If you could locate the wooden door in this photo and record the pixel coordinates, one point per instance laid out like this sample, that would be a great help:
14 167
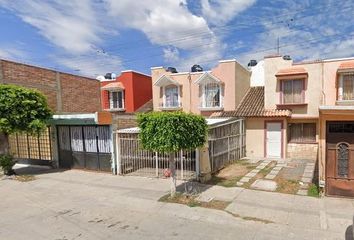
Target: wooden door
340 159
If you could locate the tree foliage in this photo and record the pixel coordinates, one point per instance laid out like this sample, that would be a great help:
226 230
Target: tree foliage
22 110
171 131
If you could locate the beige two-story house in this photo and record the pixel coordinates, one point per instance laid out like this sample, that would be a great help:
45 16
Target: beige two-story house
204 92
304 110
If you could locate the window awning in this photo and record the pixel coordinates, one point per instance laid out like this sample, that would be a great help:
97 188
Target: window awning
165 81
207 78
346 67
113 86
291 71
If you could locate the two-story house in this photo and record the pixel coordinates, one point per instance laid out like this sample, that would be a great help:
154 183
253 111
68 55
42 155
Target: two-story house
203 92
124 95
304 110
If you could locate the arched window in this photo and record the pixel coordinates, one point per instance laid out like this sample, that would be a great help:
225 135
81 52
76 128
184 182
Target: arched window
342 160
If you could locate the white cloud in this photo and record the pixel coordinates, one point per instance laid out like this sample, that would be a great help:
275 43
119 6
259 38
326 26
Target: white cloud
169 23
171 54
315 34
219 12
92 65
164 22
79 26
75 26
72 25
11 53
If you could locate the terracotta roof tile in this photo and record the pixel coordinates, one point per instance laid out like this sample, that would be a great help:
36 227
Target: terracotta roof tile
346 65
252 105
291 71
114 85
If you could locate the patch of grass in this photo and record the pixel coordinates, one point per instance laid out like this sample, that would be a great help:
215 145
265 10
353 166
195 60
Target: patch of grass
287 186
25 178
264 172
251 167
313 190
215 204
215 180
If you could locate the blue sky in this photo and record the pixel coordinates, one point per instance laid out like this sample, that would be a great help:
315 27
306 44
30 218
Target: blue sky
92 37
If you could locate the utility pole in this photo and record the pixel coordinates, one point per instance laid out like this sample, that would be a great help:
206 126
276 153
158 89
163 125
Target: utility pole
278 46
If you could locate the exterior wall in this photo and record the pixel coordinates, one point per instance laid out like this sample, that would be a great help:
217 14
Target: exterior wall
242 84
79 94
255 136
64 92
142 89
235 79
137 90
124 121
271 89
302 151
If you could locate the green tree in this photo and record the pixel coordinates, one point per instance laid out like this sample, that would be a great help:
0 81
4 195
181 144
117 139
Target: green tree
170 132
21 110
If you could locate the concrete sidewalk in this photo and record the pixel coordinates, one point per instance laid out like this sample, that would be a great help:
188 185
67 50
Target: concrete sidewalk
84 205
308 213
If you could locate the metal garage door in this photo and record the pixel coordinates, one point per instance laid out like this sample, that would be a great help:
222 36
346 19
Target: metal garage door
85 147
340 159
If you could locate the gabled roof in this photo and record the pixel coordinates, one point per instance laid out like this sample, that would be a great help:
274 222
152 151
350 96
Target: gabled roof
252 105
291 71
113 86
164 81
346 66
207 77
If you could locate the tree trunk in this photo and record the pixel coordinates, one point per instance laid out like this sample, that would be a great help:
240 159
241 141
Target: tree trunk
4 143
171 159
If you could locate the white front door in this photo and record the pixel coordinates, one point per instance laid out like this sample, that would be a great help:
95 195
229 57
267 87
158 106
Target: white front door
273 140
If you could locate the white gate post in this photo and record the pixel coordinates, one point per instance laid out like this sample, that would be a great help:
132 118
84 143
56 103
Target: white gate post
181 158
197 163
228 149
157 164
240 146
119 157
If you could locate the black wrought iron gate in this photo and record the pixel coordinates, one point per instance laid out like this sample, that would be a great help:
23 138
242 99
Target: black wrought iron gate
85 147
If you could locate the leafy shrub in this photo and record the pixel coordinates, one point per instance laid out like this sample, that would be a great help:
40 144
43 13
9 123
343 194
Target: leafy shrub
313 190
6 163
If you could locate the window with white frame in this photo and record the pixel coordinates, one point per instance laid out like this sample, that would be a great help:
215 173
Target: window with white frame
171 96
346 87
116 100
211 95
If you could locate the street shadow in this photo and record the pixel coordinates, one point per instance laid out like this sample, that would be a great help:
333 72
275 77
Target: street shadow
36 170
193 186
349 233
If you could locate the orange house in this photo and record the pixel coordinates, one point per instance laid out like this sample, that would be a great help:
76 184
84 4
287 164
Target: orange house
126 93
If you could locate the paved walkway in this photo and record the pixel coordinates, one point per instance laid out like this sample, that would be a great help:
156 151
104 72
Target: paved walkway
83 205
332 215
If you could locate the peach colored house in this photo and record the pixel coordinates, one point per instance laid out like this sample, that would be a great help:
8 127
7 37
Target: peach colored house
306 111
203 93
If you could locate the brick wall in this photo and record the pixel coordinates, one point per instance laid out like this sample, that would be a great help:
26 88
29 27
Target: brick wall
124 121
302 151
80 94
64 92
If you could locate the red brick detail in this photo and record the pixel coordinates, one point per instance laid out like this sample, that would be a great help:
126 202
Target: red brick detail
78 94
105 99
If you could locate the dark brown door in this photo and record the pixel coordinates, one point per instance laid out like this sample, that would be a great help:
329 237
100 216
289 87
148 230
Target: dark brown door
340 159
